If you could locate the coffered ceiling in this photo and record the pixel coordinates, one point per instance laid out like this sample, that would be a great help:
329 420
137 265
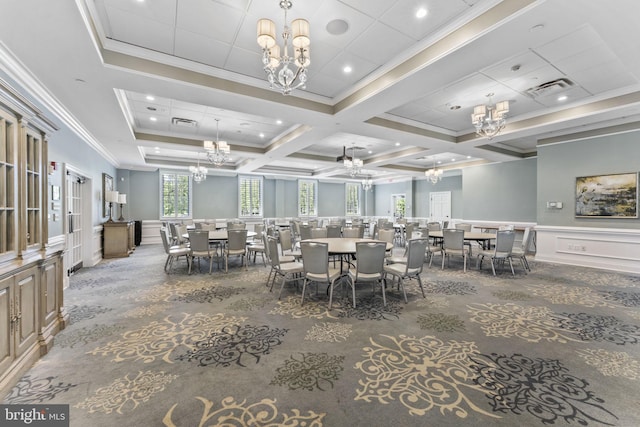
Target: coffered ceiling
145 81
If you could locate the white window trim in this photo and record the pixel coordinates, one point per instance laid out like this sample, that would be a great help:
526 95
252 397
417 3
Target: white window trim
251 177
315 198
358 197
161 195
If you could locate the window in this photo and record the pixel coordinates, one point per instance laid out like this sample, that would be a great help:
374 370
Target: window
250 189
307 198
353 199
175 195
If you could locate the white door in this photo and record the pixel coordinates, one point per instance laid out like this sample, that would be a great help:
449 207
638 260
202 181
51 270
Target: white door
398 205
74 255
440 206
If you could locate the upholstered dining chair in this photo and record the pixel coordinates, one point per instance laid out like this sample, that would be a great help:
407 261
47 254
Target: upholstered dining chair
369 267
173 252
334 230
305 232
236 246
387 235
412 268
318 233
286 244
453 244
501 252
315 258
521 251
356 232
289 271
199 248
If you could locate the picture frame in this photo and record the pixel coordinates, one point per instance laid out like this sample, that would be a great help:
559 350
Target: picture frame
607 196
107 185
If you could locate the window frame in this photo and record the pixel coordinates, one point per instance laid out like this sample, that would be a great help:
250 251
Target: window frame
251 178
357 187
303 183
177 174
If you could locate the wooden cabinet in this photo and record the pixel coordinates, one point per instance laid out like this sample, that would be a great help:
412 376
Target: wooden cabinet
19 319
31 285
118 239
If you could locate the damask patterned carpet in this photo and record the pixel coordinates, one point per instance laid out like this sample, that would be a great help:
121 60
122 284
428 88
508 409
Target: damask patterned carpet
559 346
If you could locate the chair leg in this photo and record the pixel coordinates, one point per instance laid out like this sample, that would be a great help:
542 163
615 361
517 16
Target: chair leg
421 288
384 295
284 280
511 265
330 295
493 268
401 284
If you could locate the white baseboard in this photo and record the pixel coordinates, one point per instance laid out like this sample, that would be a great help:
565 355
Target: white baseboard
607 248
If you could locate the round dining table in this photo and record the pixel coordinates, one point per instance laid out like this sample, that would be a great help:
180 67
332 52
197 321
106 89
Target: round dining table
483 239
222 235
344 245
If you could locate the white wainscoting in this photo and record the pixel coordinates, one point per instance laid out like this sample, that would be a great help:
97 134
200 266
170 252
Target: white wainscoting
607 248
151 232
96 238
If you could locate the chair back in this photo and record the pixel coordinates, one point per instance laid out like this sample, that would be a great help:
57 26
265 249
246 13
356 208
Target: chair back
434 226
271 248
181 230
237 239
313 223
463 227
445 224
387 225
236 226
504 243
334 230
165 239
271 231
199 241
173 233
208 227
315 257
353 232
370 256
318 233
506 227
259 229
198 225
526 239
356 222
452 239
285 240
386 235
408 230
305 232
416 252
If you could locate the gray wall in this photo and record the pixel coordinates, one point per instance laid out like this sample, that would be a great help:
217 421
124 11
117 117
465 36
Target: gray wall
500 192
423 188
559 165
383 192
331 199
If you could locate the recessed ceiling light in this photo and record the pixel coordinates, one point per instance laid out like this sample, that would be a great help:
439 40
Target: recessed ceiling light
347 69
439 161
261 135
150 98
421 13
278 122
156 148
370 152
397 144
468 157
153 119
453 160
562 98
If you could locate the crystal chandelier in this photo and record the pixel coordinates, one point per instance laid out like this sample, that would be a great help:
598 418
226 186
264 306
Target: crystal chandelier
283 71
489 120
218 152
367 183
353 165
199 173
434 175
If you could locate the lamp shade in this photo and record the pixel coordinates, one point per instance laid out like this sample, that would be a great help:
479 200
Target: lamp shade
266 33
209 145
111 196
122 199
300 33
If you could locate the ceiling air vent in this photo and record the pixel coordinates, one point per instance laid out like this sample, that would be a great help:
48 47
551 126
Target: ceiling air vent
549 88
183 123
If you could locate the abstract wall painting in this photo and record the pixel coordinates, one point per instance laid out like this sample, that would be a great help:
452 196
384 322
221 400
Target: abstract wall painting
607 196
